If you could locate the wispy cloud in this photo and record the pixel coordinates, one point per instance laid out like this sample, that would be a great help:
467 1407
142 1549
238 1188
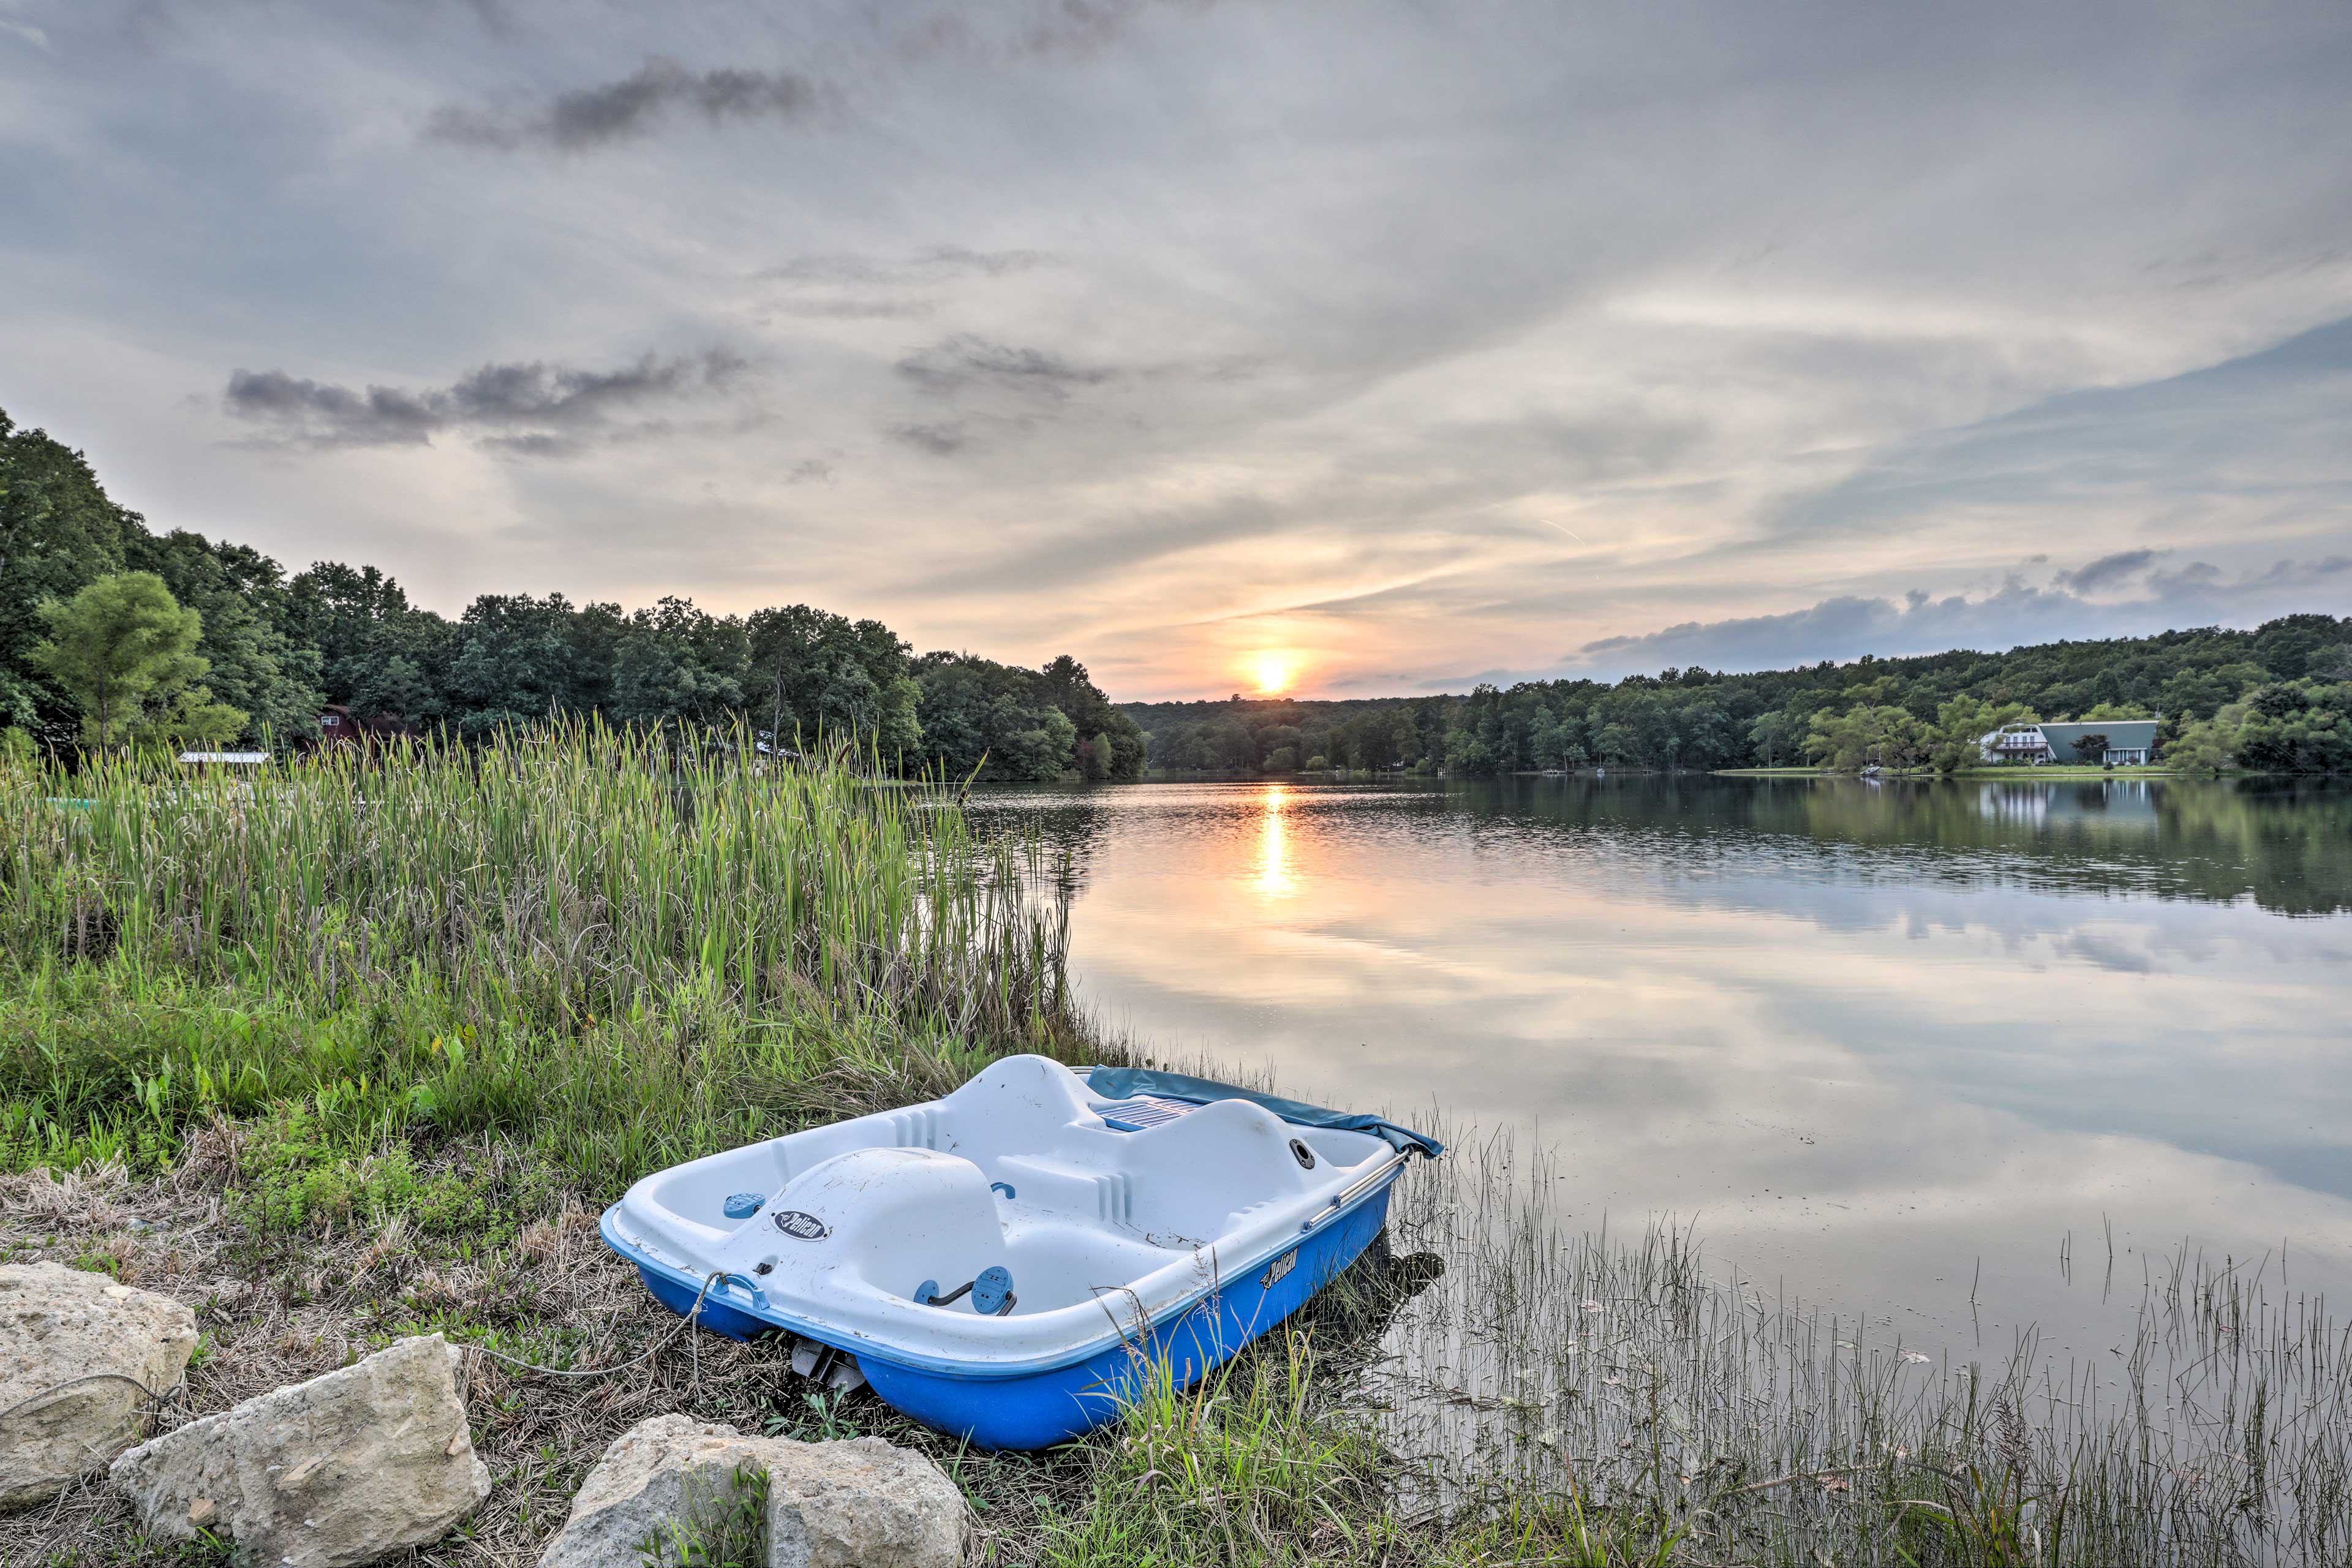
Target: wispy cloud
882 309
1043 30
2264 427
934 263
1849 626
2112 570
957 365
533 409
630 106
1423 340
939 440
850 286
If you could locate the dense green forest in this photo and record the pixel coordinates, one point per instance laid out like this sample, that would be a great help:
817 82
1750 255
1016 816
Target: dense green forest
2277 699
264 651
268 650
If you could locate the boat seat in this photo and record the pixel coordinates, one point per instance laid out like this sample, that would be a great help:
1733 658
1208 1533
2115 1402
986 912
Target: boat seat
1192 1172
1018 1105
1081 1189
897 1216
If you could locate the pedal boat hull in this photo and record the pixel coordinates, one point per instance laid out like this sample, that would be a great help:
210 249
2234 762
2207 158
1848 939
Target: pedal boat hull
1010 1378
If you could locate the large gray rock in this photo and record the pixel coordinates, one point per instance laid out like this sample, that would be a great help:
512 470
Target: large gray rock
79 1335
342 1469
864 1503
670 1470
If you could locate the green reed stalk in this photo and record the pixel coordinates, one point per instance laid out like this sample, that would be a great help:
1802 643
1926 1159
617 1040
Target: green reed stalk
578 871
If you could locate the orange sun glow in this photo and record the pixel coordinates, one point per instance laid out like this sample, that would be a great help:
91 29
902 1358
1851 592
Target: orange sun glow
1275 669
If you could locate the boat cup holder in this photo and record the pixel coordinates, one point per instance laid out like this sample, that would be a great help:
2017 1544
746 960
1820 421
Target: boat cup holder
1303 1154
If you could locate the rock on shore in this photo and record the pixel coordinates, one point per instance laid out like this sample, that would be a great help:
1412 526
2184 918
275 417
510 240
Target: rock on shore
81 1335
342 1469
864 1503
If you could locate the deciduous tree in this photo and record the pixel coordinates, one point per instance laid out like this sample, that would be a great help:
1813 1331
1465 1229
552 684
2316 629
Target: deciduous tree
125 651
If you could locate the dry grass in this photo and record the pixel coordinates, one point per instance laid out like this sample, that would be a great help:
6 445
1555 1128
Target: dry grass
1507 1393
273 1312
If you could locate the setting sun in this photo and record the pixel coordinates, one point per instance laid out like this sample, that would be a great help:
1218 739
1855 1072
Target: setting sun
1275 669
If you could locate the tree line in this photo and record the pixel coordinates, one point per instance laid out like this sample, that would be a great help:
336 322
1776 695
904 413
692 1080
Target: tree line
2275 699
112 634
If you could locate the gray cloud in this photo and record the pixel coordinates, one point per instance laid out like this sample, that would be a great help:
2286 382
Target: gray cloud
382 416
631 105
2110 571
1110 546
848 286
1849 626
532 409
939 440
1513 327
1064 30
2263 429
957 365
934 263
883 310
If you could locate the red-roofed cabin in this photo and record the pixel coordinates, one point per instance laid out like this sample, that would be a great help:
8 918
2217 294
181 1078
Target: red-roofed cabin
339 726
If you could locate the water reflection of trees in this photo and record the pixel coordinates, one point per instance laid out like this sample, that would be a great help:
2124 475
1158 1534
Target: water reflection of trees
2286 844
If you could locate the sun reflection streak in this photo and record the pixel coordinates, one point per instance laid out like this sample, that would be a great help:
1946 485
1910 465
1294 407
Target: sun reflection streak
1275 879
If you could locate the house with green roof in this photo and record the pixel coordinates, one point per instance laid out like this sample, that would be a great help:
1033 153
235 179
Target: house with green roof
2127 742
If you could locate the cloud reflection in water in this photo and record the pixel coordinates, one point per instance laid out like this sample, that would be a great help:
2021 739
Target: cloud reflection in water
1866 1038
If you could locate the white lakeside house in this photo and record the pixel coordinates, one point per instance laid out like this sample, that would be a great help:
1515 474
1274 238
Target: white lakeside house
2130 742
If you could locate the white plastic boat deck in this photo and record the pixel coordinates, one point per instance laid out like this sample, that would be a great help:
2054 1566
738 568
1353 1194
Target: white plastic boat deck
1025 1171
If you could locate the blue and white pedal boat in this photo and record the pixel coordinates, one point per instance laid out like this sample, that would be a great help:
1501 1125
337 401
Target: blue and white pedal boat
1005 1264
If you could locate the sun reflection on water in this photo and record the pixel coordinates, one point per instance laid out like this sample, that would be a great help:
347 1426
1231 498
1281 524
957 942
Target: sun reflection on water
1275 879
1762 1002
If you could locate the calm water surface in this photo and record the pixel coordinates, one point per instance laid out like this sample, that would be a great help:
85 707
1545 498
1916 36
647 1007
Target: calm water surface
1893 1046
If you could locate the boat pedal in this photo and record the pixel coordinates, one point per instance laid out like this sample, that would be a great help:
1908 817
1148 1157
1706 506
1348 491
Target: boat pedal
823 1364
990 1291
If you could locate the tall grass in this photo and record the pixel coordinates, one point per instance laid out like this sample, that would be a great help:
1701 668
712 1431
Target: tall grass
635 948
1247 1469
1515 1392
574 872
1621 1377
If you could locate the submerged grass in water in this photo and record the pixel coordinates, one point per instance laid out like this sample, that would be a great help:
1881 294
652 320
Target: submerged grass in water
1626 1379
358 1051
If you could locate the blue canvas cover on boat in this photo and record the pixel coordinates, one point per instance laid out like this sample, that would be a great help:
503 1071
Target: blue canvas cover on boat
1124 1083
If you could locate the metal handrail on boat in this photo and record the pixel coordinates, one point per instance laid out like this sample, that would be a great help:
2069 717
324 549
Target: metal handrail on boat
1356 1189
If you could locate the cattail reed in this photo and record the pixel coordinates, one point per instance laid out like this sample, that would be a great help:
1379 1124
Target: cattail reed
577 871
636 947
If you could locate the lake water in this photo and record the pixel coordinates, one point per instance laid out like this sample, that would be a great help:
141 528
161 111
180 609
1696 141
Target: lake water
1894 1045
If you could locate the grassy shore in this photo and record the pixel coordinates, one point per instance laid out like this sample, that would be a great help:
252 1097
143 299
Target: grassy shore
357 1054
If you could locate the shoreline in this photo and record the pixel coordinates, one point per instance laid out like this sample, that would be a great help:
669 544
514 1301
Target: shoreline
2051 772
2021 775
282 1076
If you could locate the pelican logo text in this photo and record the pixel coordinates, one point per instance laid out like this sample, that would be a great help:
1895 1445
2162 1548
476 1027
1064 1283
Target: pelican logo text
803 1226
1278 1268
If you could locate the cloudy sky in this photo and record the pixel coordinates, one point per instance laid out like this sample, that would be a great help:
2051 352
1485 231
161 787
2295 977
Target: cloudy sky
1386 346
